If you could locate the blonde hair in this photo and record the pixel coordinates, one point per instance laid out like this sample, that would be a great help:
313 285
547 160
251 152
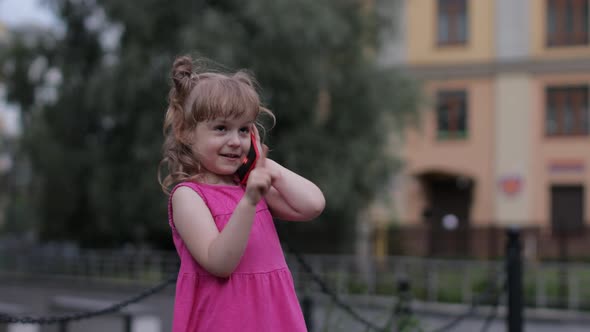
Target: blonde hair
198 96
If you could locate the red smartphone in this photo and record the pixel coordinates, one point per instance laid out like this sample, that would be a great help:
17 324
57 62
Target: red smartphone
249 162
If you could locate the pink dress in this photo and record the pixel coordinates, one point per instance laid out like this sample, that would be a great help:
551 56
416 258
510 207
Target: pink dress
259 295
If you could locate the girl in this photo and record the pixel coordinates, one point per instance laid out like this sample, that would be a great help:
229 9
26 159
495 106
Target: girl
233 275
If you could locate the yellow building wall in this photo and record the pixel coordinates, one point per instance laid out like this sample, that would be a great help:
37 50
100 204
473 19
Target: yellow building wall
549 150
472 157
513 146
422 34
539 49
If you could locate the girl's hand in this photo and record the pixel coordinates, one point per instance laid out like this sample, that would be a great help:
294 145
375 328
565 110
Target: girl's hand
260 178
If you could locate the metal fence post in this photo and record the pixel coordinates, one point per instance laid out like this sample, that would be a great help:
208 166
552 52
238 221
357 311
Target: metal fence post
403 309
514 272
127 323
307 308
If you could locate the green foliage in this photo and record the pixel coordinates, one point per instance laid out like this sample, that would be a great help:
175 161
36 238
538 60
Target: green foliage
409 324
96 148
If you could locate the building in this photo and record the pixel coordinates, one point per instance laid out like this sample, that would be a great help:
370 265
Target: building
505 134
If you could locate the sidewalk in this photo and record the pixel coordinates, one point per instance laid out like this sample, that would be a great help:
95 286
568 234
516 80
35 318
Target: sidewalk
327 316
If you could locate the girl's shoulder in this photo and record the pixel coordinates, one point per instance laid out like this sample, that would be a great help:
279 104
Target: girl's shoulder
220 199
209 192
193 186
205 187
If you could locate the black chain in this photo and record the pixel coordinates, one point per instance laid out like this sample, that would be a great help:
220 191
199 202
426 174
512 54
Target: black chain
330 293
402 308
491 290
5 318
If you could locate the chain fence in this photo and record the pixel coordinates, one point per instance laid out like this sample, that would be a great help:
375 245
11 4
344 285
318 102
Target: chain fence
406 319
11 319
401 317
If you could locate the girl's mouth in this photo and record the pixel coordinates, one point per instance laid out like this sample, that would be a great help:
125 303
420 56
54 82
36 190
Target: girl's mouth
231 155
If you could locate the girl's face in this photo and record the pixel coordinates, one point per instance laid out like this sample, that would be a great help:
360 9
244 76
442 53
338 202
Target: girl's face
220 146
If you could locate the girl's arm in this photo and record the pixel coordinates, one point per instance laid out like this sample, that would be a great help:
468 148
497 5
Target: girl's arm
217 252
291 196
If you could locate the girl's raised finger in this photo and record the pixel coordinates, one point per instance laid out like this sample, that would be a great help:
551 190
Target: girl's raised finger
262 158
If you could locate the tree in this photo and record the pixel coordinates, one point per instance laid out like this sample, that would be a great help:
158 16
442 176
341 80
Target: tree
95 149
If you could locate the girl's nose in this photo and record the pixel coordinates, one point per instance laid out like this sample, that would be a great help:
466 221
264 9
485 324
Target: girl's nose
234 139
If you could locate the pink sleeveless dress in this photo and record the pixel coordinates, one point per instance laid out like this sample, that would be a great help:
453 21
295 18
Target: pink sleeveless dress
258 296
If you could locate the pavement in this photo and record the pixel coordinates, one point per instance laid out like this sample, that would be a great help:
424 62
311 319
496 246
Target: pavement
427 317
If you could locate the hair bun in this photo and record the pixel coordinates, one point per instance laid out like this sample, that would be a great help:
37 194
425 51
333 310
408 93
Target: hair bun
182 71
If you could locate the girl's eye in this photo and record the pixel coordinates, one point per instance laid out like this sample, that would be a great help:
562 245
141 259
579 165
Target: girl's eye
219 128
245 129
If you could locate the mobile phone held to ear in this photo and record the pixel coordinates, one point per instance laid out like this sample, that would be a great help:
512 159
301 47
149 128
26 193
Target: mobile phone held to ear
249 162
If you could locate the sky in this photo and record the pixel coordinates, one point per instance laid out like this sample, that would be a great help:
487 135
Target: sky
16 12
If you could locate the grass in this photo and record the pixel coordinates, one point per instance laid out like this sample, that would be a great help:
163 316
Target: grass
449 284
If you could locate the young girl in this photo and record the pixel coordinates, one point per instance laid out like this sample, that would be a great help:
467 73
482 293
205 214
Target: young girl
233 275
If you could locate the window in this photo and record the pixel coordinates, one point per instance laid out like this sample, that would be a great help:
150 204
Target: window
567 22
567 208
567 112
452 22
451 114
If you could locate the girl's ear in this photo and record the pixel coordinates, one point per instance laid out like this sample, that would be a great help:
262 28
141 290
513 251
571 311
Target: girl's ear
186 138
